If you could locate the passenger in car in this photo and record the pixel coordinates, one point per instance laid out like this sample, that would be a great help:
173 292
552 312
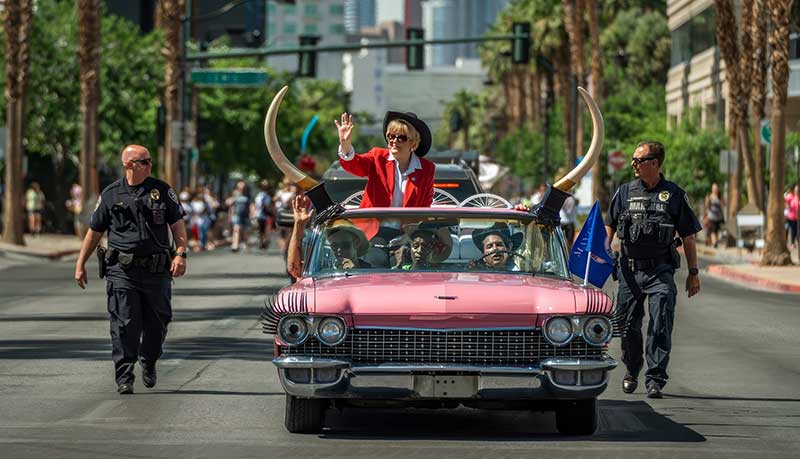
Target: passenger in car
428 247
397 176
497 245
347 242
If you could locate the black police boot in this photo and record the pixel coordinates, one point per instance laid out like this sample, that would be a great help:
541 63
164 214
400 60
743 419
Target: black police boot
125 388
654 390
629 384
149 376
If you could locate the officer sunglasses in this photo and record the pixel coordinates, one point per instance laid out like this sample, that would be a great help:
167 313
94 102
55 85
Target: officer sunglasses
143 161
638 161
399 138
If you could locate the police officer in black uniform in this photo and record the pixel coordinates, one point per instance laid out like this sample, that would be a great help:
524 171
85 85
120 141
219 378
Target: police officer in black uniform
652 217
136 211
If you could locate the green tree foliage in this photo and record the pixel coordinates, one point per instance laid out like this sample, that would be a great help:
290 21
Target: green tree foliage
235 118
130 78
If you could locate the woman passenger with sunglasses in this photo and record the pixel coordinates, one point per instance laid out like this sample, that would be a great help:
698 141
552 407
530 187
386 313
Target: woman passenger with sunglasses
397 176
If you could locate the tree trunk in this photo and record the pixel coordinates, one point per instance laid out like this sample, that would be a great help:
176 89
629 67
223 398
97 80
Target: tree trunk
172 10
17 28
536 100
735 183
573 22
775 251
758 88
596 66
563 83
728 39
89 57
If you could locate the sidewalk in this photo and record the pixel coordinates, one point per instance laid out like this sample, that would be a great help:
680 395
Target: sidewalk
742 267
50 246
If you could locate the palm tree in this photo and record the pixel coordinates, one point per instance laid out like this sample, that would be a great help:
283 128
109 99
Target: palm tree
89 57
758 88
573 22
171 12
596 68
775 251
728 39
17 27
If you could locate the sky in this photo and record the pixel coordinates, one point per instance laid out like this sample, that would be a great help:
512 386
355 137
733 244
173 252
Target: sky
390 10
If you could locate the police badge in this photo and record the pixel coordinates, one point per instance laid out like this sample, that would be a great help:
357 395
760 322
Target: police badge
154 194
663 196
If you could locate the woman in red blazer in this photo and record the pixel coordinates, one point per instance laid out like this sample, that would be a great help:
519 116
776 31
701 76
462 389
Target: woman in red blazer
397 176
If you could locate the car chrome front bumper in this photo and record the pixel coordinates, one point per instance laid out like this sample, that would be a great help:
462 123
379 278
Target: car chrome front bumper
314 377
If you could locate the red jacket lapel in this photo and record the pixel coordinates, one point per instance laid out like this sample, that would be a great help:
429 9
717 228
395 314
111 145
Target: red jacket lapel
389 169
411 185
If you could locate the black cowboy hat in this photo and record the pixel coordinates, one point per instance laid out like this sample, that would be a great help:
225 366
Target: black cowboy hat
419 125
513 241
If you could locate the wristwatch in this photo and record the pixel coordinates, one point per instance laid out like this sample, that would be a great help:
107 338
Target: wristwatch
693 271
183 254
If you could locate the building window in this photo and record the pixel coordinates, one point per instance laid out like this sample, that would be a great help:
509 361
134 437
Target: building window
271 7
289 8
310 28
311 9
337 10
290 28
337 29
271 28
693 37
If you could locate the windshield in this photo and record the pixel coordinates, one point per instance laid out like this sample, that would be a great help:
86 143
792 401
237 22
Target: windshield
462 243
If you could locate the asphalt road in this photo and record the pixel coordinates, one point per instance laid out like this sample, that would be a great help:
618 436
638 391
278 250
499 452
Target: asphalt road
734 387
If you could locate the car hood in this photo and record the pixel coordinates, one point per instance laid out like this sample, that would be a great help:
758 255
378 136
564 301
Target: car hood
444 300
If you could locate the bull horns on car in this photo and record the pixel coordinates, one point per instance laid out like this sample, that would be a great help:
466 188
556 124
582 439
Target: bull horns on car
274 148
314 189
593 153
547 211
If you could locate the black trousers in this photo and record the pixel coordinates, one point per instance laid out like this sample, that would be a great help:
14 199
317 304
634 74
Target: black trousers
140 309
657 286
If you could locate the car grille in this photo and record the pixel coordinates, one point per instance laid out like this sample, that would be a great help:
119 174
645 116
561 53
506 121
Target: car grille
466 347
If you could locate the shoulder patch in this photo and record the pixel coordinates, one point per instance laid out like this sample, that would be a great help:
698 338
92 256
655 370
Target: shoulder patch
172 195
663 196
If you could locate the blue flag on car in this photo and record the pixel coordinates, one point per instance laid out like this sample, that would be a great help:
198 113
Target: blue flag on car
589 258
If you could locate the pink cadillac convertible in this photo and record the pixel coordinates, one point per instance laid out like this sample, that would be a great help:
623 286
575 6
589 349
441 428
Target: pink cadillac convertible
444 307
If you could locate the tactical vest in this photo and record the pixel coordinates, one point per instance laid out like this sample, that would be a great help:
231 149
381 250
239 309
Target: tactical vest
645 227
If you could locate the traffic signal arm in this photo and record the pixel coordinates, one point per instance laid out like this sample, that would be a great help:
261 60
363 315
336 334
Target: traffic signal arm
248 52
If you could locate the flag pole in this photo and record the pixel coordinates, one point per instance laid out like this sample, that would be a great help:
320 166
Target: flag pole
586 276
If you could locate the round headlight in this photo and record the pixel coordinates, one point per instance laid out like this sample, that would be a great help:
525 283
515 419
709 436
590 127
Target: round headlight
597 330
558 331
331 331
293 330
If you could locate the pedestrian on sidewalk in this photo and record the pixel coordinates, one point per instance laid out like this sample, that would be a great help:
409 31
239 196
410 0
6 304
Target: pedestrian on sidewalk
714 213
137 211
239 205
34 205
75 207
265 214
647 214
792 201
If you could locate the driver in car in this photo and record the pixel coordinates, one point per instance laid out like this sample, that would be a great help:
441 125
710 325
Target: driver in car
497 245
348 245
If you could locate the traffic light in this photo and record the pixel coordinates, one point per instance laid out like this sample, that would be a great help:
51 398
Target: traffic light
307 60
521 45
415 56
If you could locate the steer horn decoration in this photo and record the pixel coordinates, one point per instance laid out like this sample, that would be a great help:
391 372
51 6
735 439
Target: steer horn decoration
314 189
548 210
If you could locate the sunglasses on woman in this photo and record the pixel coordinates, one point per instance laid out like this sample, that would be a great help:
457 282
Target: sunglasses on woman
399 138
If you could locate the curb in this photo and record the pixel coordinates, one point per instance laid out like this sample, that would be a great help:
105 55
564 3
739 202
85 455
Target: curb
57 255
727 273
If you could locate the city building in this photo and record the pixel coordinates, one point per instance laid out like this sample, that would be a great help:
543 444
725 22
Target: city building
324 18
359 14
455 19
696 77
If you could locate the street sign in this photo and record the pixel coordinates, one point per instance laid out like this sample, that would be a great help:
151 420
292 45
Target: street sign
2 142
766 132
728 161
229 77
617 160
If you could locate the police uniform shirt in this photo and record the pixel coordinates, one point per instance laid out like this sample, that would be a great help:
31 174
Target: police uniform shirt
127 211
674 200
